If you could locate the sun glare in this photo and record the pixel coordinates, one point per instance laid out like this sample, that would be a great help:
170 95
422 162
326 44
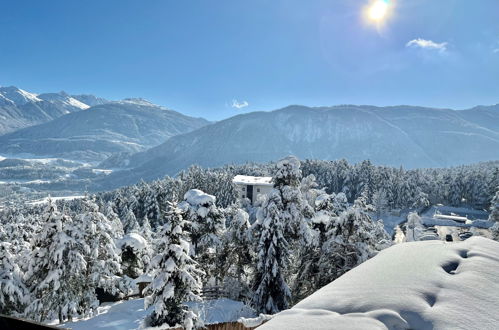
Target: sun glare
378 10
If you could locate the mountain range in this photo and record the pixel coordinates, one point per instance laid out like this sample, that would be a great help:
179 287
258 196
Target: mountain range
100 131
139 140
402 135
19 108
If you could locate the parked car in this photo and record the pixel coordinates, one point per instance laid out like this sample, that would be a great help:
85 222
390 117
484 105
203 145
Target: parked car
448 238
428 236
465 235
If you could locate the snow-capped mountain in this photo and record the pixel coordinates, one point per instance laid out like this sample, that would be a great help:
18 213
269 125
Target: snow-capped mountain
100 131
62 98
402 135
19 108
90 100
17 96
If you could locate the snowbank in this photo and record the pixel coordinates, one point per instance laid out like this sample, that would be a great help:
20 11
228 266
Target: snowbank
417 285
129 314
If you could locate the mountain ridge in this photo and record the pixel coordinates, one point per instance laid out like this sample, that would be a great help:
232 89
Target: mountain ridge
392 136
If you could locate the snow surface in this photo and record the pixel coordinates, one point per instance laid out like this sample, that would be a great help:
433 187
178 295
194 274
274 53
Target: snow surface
129 314
253 180
134 240
197 197
417 285
46 199
18 96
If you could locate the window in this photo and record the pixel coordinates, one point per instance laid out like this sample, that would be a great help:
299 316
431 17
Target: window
242 196
243 188
257 189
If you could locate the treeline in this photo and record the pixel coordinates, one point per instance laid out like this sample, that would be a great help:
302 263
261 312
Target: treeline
190 231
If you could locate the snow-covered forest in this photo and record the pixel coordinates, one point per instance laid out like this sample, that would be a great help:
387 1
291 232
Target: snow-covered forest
60 259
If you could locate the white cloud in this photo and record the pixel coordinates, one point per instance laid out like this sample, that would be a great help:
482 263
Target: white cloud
239 105
427 44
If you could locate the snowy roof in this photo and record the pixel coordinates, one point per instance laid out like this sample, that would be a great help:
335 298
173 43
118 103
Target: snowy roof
253 180
417 285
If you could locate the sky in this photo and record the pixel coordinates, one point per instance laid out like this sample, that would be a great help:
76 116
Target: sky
216 59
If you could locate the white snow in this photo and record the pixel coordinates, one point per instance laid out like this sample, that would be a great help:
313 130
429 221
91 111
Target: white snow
417 285
45 200
253 180
134 240
197 197
129 314
451 217
18 96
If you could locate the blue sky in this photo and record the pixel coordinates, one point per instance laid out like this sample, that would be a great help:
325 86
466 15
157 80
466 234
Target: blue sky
198 56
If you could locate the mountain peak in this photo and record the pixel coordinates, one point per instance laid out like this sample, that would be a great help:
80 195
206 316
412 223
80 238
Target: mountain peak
17 95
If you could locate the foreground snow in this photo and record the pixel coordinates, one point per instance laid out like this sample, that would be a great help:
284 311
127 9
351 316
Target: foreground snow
129 314
417 285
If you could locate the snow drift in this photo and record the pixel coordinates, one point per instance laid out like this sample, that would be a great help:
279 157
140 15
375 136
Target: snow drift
417 285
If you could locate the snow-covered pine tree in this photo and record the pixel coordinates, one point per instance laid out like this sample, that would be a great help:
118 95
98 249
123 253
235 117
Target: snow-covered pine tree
116 225
56 274
146 230
206 227
307 279
236 254
103 262
176 278
130 224
352 238
287 184
14 295
494 208
380 202
135 254
271 292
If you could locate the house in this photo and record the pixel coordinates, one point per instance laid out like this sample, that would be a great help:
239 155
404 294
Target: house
252 186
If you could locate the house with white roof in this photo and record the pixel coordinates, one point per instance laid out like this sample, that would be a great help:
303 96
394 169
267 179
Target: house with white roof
252 186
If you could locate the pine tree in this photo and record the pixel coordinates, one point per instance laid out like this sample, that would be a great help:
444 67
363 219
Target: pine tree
146 230
206 226
175 276
14 295
352 238
287 184
57 271
235 254
130 224
271 292
494 208
103 262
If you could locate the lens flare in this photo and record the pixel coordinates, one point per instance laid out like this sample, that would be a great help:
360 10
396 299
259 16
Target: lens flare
378 10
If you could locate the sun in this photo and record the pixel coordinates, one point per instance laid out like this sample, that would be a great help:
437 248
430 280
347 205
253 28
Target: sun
378 10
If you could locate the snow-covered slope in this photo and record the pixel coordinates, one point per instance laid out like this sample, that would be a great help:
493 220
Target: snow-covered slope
19 108
62 98
419 285
404 135
130 314
100 131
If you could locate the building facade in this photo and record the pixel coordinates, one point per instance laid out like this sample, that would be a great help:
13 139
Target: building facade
252 187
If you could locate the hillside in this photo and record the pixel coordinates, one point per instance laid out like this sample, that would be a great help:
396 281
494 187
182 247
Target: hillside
96 133
421 285
390 136
19 108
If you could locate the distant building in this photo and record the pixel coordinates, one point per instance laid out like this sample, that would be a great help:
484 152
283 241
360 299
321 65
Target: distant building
252 186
